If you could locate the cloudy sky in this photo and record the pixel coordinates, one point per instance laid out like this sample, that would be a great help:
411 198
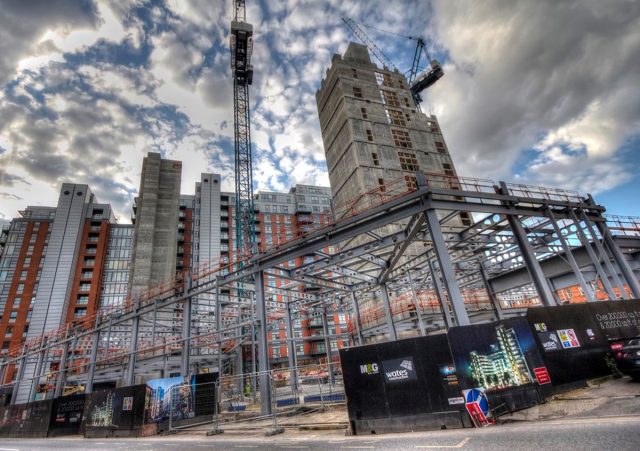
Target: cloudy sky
544 92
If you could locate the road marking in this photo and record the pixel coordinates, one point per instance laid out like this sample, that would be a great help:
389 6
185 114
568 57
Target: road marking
357 447
246 446
9 449
459 445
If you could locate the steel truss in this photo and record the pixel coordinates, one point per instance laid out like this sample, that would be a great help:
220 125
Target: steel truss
203 320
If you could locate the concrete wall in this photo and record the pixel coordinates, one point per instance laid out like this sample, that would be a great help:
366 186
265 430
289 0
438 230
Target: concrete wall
156 223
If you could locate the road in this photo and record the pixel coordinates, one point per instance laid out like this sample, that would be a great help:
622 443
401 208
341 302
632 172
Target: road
604 433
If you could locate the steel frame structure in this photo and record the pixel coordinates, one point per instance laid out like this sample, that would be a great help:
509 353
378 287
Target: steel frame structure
387 287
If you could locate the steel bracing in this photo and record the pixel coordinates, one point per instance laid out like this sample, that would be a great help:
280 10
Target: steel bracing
398 262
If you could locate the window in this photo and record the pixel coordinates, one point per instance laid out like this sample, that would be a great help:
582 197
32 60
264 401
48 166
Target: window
82 300
369 135
408 162
381 185
79 312
354 73
412 183
397 118
401 138
376 161
440 147
23 275
384 79
389 98
13 315
448 169
20 288
357 92
16 302
406 102
364 113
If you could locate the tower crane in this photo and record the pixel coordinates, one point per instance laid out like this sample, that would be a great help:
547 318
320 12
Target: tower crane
242 73
418 81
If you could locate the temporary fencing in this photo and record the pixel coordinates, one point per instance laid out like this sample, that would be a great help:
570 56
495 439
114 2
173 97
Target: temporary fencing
234 402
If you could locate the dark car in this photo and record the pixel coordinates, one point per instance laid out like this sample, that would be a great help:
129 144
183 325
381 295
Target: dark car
627 356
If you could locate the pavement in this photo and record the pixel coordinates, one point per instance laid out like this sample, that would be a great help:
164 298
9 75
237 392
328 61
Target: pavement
601 398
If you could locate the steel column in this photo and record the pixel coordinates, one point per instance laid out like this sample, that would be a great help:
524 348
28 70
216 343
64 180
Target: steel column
186 335
356 318
327 344
492 297
570 259
605 257
594 258
291 346
387 312
416 303
529 256
131 368
19 375
36 380
92 366
444 306
446 268
620 259
219 328
62 371
263 350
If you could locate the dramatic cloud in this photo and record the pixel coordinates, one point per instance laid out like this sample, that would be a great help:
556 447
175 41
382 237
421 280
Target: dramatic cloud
557 78
542 92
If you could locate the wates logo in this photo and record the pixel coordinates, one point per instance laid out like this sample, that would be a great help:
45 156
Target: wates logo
397 375
407 364
369 368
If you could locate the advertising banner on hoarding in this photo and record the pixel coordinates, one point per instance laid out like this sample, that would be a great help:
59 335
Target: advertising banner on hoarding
498 356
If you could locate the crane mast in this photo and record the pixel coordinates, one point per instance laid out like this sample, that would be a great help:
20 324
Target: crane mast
366 40
242 73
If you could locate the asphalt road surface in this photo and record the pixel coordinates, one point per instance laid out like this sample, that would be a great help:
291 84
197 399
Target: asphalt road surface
604 433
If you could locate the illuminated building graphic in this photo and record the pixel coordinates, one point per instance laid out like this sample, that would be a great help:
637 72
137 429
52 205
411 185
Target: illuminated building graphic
504 366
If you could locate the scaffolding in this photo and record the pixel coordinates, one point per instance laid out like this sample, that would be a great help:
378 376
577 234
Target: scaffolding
522 237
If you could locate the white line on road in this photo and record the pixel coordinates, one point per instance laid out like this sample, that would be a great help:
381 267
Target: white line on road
459 445
9 449
356 447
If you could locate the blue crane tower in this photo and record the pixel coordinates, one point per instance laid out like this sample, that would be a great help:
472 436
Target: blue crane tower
242 73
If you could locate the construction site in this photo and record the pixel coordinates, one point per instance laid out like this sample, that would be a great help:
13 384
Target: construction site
408 248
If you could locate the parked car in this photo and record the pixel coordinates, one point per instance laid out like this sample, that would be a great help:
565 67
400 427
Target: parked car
627 356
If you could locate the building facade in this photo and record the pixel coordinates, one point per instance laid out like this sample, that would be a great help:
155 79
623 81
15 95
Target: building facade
374 135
